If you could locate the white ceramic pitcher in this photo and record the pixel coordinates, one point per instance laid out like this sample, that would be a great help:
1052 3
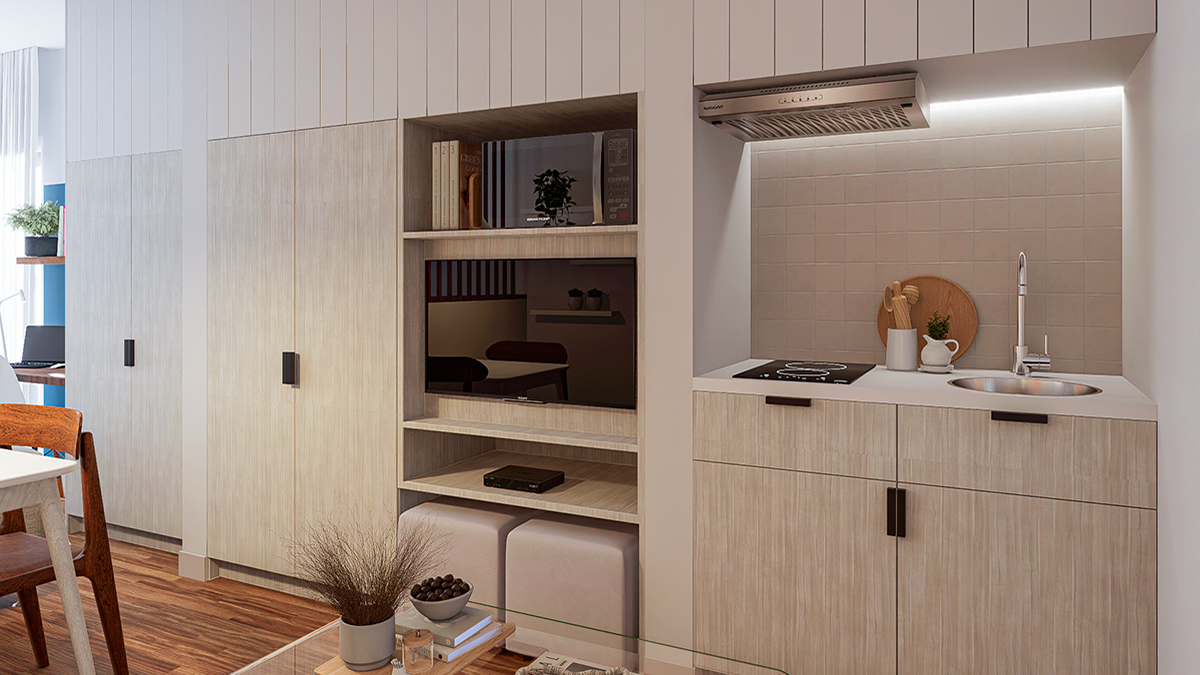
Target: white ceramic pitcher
936 353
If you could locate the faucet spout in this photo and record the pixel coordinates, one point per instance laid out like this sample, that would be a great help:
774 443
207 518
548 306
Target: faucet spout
1023 361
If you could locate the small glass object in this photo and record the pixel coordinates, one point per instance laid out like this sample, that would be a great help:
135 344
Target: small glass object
398 665
418 651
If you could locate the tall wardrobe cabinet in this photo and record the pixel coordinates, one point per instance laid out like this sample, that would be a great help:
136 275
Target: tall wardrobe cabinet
302 255
123 283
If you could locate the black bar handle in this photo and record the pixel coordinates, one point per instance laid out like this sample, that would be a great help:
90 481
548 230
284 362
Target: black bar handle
289 368
1028 418
897 516
787 400
129 353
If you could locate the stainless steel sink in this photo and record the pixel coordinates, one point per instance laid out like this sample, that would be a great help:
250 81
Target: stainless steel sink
1025 385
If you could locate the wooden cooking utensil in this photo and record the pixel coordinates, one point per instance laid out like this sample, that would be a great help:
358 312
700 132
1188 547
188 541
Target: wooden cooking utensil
940 295
900 307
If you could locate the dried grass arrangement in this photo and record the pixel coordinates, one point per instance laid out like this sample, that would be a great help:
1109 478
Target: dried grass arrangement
364 571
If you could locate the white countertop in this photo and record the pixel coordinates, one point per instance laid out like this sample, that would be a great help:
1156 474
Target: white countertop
1118 398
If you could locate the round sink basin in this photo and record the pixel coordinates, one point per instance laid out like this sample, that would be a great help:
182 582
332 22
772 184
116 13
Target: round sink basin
1025 385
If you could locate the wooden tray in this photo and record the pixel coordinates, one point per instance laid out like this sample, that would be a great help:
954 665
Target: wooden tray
948 299
335 666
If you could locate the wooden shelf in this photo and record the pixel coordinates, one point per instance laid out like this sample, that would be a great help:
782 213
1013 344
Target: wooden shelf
592 489
576 439
522 232
571 312
43 260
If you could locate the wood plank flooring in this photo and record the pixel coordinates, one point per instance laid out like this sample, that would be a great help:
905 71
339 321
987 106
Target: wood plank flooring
179 626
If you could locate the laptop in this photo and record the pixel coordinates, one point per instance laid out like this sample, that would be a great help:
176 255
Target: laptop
44 347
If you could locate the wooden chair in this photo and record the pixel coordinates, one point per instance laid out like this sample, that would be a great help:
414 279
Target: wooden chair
536 352
25 559
457 369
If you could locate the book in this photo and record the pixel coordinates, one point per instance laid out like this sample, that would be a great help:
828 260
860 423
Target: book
444 222
444 653
450 633
451 199
437 186
469 162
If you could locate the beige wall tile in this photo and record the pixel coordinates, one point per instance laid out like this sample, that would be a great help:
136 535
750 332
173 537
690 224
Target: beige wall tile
924 155
954 121
1065 243
993 277
1027 115
892 217
860 189
860 277
1026 213
957 183
1066 113
991 245
1103 243
801 278
1065 277
770 165
924 216
924 247
993 118
1065 146
891 157
1103 110
770 334
830 161
1066 342
771 250
992 182
801 306
1102 277
830 219
1103 311
801 220
887 272
1064 179
1028 148
1031 242
830 307
801 248
891 187
1027 180
1102 344
771 304
800 335
1102 211
768 221
860 217
958 245
860 247
860 158
1102 143
772 277
770 192
830 338
1065 309
830 190
924 185
958 153
830 248
992 150
1103 367
798 192
1064 211
799 164
961 273
959 214
891 247
1103 176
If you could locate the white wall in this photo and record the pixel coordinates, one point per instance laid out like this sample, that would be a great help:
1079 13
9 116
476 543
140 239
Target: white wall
52 114
1162 242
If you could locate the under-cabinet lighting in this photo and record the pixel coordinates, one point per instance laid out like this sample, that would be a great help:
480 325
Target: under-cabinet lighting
1031 98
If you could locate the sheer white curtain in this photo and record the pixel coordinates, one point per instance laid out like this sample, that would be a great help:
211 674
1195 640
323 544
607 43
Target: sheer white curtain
20 183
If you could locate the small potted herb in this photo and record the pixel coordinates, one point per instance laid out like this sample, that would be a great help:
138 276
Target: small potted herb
40 225
936 353
552 189
574 299
595 299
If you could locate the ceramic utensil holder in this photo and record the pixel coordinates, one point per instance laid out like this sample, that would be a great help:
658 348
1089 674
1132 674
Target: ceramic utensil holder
902 349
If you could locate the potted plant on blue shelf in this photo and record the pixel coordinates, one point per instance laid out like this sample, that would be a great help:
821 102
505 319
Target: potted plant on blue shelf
40 225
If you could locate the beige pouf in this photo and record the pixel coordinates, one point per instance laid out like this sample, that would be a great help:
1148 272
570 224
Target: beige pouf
475 540
577 570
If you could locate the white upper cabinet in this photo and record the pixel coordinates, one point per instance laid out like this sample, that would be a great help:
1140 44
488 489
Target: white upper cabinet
1053 22
738 40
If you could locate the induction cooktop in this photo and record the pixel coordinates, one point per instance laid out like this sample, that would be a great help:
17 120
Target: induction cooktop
830 372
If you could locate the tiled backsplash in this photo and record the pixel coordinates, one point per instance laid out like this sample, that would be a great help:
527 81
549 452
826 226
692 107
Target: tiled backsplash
836 219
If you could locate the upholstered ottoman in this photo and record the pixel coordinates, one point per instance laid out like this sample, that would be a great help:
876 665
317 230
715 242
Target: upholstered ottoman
475 539
577 570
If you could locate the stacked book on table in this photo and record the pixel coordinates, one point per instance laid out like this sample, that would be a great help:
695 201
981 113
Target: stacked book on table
457 186
455 636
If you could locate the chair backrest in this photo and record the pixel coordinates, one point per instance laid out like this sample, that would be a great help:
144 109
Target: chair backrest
41 426
455 369
10 388
535 352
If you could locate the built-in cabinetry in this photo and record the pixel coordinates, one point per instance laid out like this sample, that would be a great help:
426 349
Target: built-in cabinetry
123 283
302 259
748 39
1028 541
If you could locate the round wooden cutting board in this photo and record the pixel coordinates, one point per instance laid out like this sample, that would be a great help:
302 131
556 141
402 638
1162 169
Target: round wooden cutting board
947 299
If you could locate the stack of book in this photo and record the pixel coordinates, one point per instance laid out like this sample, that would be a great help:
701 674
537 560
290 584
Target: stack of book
457 186
454 637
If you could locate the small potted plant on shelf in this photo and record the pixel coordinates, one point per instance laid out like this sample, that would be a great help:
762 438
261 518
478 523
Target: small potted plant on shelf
595 299
574 299
552 189
40 225
936 353
364 572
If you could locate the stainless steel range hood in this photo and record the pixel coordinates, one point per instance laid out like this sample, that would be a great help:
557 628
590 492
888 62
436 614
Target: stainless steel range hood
822 109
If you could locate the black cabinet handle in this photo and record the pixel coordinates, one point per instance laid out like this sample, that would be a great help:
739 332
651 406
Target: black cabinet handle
785 400
897 515
289 368
1028 418
129 353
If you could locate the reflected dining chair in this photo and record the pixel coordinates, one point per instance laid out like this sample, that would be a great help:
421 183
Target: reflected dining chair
25 559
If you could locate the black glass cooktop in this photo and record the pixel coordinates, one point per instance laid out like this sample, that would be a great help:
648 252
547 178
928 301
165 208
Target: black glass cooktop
808 371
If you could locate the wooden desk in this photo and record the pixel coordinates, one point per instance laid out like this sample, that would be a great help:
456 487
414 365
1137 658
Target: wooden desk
53 376
30 479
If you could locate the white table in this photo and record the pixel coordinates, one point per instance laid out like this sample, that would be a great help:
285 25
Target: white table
28 479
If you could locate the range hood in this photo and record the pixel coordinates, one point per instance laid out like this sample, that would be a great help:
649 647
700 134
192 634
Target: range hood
821 109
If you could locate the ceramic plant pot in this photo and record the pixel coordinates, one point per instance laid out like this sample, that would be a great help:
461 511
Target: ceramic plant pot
364 648
936 353
39 247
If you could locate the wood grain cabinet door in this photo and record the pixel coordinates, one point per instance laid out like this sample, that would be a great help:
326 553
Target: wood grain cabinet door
793 571
998 584
846 438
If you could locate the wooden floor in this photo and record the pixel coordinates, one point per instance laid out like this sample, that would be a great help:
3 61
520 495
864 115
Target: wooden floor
180 626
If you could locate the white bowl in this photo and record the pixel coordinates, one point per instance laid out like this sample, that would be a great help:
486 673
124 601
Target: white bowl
441 610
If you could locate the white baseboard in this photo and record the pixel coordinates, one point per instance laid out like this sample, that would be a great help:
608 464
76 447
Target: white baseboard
198 567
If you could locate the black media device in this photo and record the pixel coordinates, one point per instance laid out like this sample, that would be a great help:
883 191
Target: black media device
523 478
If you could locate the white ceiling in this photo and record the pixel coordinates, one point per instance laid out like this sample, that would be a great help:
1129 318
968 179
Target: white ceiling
32 23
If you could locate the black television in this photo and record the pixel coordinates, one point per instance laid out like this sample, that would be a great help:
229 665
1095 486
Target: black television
554 330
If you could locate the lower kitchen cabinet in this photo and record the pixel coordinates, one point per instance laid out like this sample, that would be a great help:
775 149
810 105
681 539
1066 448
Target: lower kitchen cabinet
793 571
997 583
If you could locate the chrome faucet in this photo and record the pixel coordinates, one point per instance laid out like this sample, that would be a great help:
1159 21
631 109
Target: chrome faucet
1023 361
